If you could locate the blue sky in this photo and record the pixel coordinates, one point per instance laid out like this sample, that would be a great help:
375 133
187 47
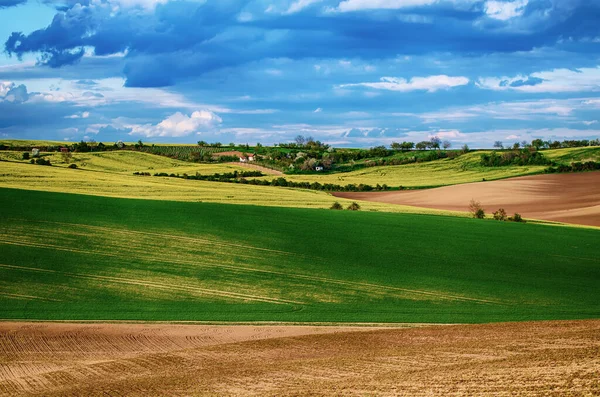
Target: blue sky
348 72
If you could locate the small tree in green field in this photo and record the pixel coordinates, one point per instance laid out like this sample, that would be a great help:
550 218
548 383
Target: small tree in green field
353 207
500 215
476 209
336 206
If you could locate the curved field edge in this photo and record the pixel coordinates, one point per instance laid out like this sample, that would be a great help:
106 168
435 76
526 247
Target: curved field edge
74 257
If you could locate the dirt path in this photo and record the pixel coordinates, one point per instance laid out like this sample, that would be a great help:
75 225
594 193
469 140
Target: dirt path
536 358
571 198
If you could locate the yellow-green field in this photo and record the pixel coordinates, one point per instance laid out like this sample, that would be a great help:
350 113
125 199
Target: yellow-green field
463 169
126 162
22 175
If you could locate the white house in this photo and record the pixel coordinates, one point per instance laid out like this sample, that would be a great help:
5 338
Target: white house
35 152
318 168
246 157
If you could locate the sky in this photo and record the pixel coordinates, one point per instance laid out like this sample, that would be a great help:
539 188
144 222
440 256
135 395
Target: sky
351 73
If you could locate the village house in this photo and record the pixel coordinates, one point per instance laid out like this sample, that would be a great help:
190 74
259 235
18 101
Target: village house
35 152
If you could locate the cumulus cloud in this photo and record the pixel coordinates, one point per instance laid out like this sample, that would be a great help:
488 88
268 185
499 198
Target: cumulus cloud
178 125
10 92
429 84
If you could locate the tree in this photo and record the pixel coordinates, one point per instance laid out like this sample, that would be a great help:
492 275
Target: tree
465 148
66 157
422 145
396 146
516 146
202 143
139 144
407 146
336 206
300 140
447 144
25 155
500 215
537 144
353 207
435 142
217 144
498 145
524 144
476 209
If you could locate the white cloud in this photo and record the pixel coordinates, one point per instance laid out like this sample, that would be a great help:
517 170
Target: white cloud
318 110
357 5
83 115
299 5
178 125
513 136
518 110
448 134
556 80
429 84
10 92
504 10
590 122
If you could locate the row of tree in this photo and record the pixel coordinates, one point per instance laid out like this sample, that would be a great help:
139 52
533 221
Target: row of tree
539 144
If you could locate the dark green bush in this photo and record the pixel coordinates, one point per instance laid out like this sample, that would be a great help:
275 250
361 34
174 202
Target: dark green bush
500 215
353 207
336 206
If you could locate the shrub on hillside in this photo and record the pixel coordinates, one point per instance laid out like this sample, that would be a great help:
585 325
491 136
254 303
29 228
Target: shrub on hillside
42 161
25 155
476 210
336 206
500 215
72 166
516 218
353 207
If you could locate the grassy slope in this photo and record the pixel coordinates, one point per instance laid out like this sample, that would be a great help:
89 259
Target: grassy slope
60 179
463 169
83 257
126 162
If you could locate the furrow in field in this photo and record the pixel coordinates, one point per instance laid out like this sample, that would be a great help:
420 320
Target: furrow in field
172 236
21 296
169 287
369 287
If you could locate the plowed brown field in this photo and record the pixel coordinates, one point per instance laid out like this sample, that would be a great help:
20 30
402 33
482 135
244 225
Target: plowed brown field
570 198
539 358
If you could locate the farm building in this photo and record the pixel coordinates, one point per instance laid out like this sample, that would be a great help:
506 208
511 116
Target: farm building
35 152
318 168
64 150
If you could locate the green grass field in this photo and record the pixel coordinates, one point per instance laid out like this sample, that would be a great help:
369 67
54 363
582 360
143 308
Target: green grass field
76 257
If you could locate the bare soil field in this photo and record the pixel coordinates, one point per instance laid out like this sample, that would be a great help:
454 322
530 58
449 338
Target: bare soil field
570 198
536 358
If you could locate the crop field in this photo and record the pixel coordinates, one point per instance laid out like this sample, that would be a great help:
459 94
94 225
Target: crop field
22 175
549 358
463 169
74 257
